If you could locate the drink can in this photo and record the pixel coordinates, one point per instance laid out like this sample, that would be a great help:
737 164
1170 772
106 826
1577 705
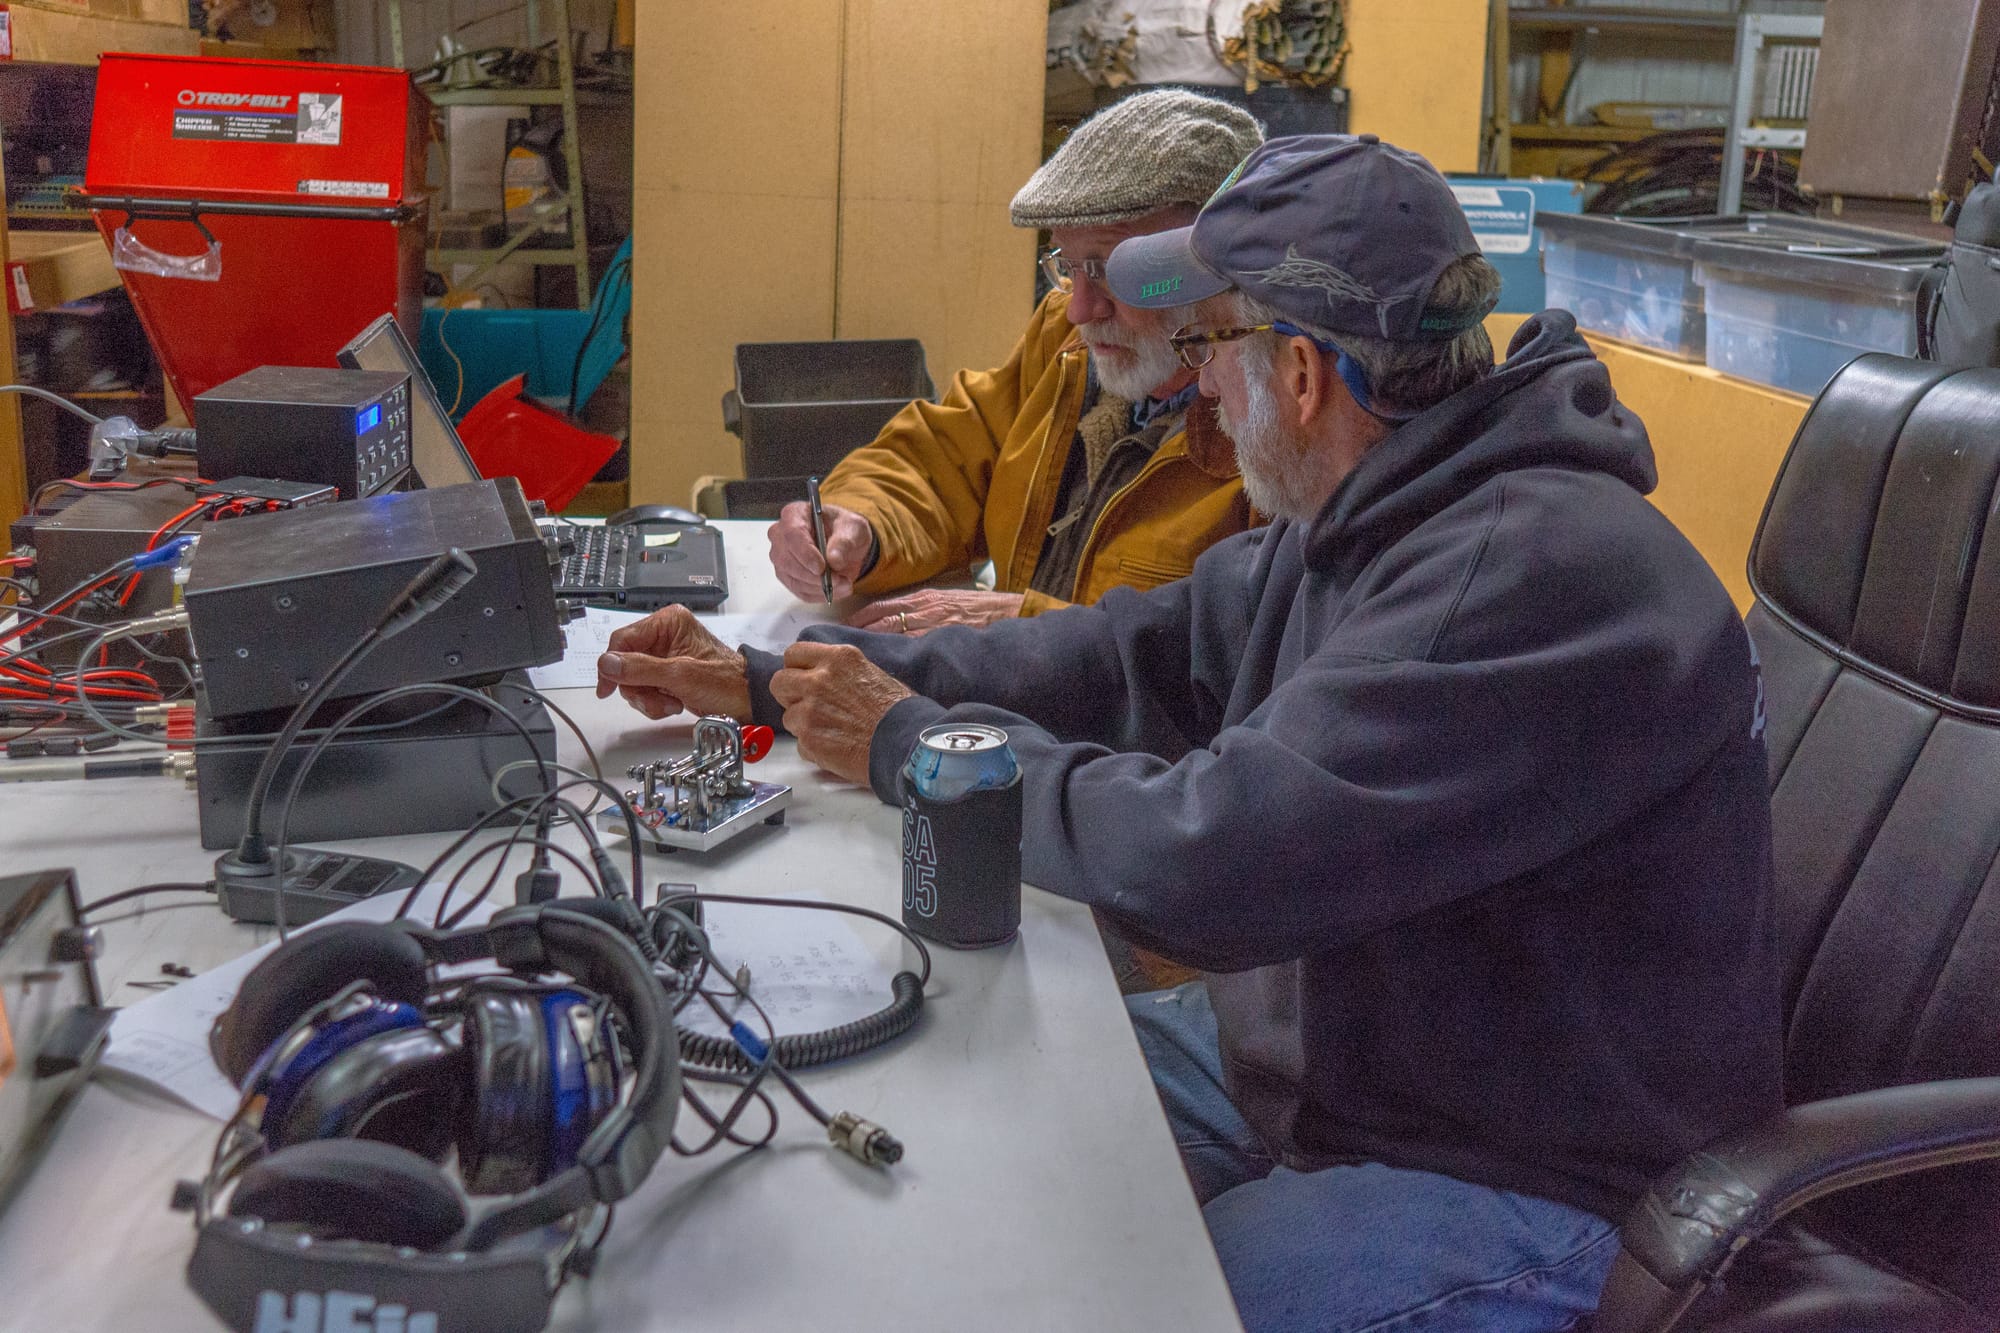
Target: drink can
961 789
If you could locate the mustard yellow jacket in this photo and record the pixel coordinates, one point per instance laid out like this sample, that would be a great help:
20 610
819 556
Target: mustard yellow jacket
974 476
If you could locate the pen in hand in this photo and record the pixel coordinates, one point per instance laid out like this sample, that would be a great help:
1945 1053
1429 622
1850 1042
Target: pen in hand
819 538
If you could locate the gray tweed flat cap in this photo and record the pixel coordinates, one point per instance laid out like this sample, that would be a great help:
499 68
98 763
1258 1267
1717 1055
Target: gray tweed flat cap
1138 155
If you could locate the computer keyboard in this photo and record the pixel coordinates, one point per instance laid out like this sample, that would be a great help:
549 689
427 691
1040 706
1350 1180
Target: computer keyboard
599 560
642 566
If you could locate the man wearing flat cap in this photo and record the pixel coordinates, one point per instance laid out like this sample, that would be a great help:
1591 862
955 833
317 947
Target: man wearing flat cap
1072 467
1452 778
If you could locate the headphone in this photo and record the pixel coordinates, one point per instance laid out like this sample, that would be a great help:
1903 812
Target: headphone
361 1074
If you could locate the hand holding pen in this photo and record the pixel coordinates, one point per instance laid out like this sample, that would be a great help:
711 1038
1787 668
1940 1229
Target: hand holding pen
796 550
819 538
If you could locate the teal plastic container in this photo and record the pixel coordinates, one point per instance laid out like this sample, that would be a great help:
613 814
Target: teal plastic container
468 352
1504 214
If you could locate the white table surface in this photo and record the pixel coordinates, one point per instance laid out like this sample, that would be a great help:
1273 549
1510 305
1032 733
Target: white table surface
1040 1190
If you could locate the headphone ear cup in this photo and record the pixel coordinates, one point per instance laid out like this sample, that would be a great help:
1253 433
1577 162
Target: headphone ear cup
503 1145
302 972
353 1189
403 1087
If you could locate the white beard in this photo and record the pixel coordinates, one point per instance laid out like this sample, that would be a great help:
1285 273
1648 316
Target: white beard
1134 377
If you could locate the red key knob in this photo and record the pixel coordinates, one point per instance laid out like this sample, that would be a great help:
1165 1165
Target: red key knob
757 743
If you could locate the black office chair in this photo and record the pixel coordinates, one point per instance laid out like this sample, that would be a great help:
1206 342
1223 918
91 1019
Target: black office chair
1877 621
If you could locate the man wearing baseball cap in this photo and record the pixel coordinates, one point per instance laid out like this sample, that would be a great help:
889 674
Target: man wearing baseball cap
1453 777
1073 467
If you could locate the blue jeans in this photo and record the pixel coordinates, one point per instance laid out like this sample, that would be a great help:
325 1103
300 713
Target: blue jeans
1366 1246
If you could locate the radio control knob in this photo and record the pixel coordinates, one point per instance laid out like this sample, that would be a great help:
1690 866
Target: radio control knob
77 944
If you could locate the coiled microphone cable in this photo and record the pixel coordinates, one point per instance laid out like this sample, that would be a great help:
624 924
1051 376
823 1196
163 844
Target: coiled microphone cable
800 1050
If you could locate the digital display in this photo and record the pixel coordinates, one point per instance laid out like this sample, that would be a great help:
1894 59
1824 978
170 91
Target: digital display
369 418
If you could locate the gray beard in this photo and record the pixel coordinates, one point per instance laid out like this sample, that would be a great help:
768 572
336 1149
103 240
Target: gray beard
1260 448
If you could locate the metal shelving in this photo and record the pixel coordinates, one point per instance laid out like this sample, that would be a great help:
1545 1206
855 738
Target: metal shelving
575 254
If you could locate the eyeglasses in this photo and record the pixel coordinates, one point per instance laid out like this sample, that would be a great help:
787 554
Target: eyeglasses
1059 268
1196 347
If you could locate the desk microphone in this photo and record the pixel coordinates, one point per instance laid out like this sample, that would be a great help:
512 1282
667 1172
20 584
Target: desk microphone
249 882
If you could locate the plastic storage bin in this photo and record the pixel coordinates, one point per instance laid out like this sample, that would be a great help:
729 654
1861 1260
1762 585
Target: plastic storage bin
1792 317
800 407
1635 279
1632 278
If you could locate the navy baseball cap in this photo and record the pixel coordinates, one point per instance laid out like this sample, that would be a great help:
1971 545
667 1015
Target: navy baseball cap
1336 230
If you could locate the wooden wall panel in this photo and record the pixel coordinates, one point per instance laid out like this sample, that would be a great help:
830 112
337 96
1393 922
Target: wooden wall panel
1416 74
735 174
1718 443
942 123
820 169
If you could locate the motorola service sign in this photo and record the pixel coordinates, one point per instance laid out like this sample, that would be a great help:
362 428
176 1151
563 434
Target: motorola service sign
1502 216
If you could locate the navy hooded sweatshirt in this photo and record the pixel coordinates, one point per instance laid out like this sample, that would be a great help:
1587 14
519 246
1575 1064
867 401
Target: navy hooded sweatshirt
1457 791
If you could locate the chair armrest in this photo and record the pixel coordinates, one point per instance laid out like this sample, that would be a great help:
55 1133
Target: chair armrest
1685 1230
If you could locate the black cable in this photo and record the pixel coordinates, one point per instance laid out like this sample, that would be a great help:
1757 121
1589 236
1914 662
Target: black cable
457 918
366 705
144 889
723 1131
750 1086
623 806
806 1049
1678 173
743 900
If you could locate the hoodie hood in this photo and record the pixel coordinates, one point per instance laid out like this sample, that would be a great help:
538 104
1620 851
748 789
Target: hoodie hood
1550 404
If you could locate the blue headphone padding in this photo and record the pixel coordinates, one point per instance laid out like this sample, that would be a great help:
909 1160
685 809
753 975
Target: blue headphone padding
576 1103
532 1103
282 1079
405 1086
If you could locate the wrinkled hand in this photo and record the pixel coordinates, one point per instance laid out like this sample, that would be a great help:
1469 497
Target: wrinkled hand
918 613
668 662
834 698
796 558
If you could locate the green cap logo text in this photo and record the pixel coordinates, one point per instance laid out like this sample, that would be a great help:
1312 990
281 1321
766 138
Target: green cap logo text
1160 288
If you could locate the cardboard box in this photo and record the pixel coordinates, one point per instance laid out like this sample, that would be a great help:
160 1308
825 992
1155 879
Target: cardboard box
475 145
69 35
172 13
296 25
46 269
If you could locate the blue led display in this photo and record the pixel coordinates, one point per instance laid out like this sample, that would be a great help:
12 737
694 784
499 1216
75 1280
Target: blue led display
369 418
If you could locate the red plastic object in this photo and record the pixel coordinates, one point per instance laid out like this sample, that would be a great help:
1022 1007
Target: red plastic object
757 743
308 177
508 436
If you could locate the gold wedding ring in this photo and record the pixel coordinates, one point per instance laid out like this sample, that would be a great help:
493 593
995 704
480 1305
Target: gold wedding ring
902 622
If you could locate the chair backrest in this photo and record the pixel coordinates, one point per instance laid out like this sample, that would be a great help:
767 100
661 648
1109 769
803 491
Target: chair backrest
1877 621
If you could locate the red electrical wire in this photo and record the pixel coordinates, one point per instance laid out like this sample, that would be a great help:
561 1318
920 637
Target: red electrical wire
132 584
